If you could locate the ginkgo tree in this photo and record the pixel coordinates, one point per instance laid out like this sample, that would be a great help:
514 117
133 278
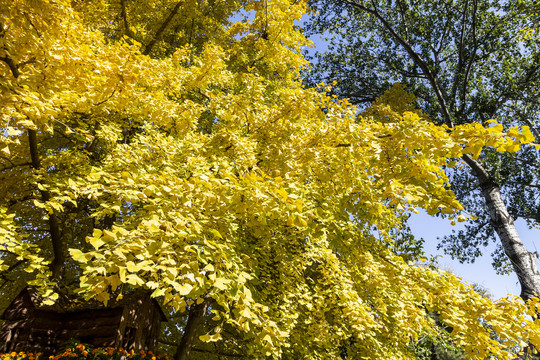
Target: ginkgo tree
172 146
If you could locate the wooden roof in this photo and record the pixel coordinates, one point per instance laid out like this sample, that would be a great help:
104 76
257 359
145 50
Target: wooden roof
68 305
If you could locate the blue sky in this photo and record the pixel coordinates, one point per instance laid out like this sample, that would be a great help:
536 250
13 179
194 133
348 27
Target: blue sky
481 271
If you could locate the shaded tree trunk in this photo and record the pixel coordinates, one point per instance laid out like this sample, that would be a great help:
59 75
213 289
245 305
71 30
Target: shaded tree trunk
59 253
195 316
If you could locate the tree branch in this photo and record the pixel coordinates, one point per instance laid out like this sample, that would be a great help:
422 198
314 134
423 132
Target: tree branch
480 172
162 28
459 68
523 183
471 60
402 13
12 267
12 66
123 14
415 57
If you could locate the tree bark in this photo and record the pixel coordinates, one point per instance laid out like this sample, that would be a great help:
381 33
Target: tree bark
523 261
196 314
59 254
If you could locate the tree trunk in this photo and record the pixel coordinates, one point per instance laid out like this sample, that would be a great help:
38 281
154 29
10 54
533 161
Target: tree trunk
59 251
523 261
196 314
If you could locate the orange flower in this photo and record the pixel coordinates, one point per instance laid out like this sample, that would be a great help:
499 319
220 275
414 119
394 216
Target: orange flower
85 353
13 354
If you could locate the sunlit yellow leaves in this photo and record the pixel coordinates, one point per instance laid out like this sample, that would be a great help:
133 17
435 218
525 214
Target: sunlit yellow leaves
182 289
122 274
210 338
157 293
216 233
78 255
49 297
95 242
133 279
131 267
212 172
13 243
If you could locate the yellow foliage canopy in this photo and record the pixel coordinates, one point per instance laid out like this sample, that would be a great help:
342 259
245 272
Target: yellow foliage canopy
186 157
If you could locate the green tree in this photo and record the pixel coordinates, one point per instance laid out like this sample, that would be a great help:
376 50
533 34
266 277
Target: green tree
466 61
